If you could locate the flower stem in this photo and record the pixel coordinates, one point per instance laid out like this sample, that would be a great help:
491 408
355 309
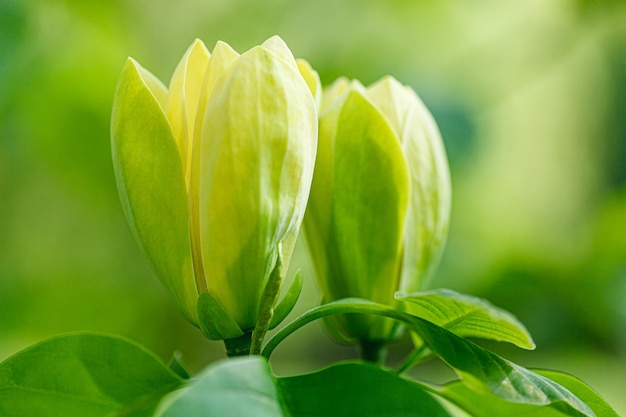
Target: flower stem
411 360
238 346
373 351
266 306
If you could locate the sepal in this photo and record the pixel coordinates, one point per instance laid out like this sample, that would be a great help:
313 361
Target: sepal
215 322
286 305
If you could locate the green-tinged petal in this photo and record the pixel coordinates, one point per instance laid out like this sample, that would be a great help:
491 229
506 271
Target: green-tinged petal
429 209
317 222
367 191
312 80
333 92
184 96
150 181
257 155
156 87
223 58
279 50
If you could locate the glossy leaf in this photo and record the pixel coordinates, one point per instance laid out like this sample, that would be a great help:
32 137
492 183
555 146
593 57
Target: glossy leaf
357 389
486 405
467 316
581 390
481 370
485 371
234 387
83 375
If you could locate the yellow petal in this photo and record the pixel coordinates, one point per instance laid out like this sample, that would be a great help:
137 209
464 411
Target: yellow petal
183 97
258 149
429 210
333 92
358 207
312 79
151 185
222 59
154 85
279 49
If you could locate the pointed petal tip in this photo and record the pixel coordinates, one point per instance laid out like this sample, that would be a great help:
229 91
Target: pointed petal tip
274 40
390 84
198 44
132 63
277 46
223 48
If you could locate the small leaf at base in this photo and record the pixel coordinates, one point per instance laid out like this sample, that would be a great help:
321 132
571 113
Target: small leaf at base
215 322
288 302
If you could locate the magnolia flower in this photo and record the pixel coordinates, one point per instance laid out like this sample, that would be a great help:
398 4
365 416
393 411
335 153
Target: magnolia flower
214 173
380 201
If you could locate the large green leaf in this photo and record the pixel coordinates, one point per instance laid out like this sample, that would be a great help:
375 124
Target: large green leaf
357 389
581 390
485 371
467 316
479 369
83 374
486 405
234 387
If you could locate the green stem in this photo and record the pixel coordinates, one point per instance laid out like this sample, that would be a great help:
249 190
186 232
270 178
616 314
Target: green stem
348 305
373 351
411 360
266 306
238 346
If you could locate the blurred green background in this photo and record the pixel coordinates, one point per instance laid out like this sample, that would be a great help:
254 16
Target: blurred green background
530 97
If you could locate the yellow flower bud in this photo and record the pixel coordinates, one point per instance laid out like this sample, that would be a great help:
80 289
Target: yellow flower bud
380 201
214 172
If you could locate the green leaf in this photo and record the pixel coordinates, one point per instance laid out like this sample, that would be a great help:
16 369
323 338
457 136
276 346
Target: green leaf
581 390
83 374
357 389
486 405
234 387
288 302
151 182
467 316
479 369
215 322
485 371
176 365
